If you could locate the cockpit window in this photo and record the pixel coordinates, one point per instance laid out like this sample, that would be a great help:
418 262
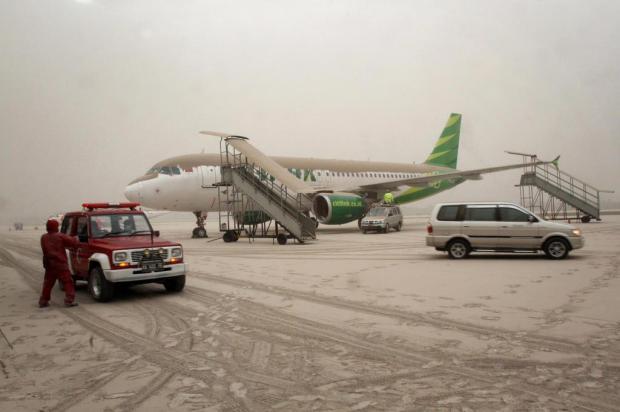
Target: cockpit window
165 170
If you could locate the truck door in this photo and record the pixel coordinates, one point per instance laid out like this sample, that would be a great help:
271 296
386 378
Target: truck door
68 228
83 250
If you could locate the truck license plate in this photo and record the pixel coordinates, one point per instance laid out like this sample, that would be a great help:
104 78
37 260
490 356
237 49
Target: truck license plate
151 266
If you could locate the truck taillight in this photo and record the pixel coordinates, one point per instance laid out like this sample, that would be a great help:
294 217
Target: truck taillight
429 229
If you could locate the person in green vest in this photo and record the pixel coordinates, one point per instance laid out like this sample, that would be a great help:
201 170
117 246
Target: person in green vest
388 198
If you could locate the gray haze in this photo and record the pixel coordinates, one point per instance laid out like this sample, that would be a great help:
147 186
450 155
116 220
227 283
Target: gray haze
95 92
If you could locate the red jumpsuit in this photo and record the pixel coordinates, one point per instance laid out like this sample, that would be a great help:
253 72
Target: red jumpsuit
53 245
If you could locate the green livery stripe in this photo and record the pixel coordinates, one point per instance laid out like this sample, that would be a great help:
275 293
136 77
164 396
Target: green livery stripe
445 152
436 155
443 140
416 193
454 117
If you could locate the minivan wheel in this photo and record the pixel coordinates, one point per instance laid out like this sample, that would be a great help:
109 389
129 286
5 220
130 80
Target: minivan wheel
458 249
99 288
399 227
387 228
556 248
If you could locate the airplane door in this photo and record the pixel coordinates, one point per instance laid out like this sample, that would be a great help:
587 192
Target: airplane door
210 176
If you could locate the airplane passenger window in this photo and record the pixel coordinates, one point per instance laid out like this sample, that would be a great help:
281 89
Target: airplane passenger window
176 171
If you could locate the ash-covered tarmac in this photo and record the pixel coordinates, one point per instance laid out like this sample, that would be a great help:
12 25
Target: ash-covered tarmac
349 322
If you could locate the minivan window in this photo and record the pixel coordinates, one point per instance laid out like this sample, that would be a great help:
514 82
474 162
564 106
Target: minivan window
448 213
481 214
510 214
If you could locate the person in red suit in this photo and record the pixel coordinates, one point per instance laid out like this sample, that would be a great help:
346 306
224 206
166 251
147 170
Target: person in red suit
53 245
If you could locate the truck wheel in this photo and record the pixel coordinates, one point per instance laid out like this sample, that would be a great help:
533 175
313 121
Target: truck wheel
387 228
175 284
556 248
458 249
99 288
281 238
399 227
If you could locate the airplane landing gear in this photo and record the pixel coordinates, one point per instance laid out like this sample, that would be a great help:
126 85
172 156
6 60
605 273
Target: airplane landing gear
200 231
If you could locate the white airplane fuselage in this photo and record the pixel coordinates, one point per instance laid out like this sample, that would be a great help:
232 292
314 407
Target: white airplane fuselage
194 189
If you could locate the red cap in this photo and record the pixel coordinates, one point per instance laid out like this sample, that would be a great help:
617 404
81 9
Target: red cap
52 225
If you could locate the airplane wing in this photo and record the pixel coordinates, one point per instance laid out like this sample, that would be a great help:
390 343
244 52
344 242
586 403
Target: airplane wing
265 162
473 174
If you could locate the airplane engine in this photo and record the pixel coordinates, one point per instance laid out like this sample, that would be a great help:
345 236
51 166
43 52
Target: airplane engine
252 217
338 208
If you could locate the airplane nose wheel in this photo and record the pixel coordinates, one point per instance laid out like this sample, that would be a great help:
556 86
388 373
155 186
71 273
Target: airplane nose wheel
200 231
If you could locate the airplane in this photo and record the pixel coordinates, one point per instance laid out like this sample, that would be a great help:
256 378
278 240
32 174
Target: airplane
189 182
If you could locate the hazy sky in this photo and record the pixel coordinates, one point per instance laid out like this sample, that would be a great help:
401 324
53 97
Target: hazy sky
92 93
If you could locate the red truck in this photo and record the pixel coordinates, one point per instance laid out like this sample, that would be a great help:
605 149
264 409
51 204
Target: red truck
119 246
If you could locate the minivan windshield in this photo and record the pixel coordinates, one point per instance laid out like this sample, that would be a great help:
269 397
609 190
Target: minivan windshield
119 225
378 211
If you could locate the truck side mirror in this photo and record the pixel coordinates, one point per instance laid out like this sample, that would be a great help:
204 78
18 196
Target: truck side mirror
156 233
83 238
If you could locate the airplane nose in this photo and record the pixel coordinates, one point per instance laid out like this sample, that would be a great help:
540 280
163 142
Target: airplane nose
132 192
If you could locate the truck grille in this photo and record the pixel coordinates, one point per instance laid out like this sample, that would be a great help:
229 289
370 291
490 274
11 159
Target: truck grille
136 255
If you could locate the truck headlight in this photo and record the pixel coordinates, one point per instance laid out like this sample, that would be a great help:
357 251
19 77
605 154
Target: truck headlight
576 232
120 256
176 252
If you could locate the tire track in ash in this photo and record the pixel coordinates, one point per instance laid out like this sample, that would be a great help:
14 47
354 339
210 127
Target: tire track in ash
539 342
150 389
251 376
268 318
105 375
169 359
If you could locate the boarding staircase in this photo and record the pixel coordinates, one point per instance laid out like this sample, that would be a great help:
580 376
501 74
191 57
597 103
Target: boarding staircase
557 195
246 188
270 198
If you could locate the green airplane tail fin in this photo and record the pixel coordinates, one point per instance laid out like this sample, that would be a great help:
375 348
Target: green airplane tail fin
446 150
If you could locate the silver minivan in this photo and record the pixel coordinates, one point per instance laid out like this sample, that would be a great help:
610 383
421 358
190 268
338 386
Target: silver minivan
382 217
460 228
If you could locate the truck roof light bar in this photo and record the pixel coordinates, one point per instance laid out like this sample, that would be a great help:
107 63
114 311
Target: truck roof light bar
128 205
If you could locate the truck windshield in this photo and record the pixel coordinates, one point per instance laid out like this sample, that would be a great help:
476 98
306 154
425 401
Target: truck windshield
118 225
378 211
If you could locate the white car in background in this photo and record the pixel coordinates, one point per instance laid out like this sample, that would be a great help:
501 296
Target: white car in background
460 228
